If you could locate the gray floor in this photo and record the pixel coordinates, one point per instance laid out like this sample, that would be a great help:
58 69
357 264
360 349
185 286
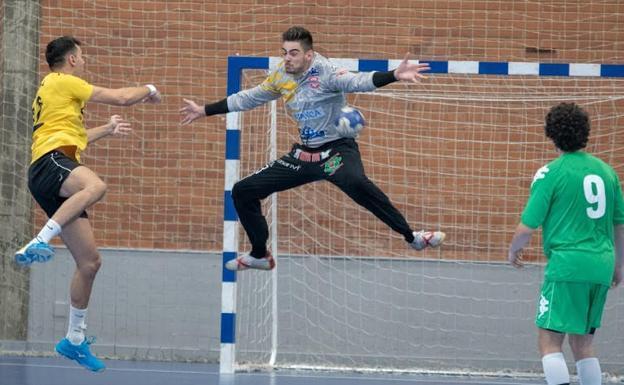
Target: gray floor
58 371
349 312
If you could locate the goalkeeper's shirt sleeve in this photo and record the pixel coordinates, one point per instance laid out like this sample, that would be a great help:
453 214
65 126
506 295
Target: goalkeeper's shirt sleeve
265 92
349 82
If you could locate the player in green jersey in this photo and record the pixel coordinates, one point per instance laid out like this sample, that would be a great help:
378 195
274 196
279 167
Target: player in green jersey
577 200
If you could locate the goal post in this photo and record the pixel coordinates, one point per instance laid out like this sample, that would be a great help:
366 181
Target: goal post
230 218
456 152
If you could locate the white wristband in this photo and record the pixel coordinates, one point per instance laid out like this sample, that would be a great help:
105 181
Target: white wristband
152 89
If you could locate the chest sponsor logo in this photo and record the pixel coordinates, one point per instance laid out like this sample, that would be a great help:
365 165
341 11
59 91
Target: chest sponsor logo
308 114
314 82
308 133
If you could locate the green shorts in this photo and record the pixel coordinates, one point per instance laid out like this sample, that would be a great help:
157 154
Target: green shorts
571 307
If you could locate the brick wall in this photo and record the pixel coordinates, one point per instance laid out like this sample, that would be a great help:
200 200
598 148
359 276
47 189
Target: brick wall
166 181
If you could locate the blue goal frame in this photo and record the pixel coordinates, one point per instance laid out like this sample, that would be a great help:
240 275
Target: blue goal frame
235 66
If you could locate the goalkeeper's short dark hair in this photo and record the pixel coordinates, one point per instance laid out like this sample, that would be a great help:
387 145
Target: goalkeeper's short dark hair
58 48
567 125
299 34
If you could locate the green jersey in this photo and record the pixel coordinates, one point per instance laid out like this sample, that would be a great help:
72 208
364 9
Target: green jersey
577 199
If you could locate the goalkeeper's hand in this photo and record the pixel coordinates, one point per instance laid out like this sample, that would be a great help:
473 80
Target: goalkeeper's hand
410 72
191 111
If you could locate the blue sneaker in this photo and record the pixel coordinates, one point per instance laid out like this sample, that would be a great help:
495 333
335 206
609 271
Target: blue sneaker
34 252
81 354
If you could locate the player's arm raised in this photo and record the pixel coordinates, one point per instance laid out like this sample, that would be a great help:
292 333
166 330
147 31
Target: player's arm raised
345 81
410 72
126 96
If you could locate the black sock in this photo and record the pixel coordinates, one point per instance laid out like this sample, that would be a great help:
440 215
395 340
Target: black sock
258 253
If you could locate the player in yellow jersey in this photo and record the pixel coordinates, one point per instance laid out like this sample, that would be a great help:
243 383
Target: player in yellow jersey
62 186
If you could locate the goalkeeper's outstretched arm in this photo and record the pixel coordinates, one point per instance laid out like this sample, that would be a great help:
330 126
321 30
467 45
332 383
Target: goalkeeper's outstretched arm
191 111
240 101
345 81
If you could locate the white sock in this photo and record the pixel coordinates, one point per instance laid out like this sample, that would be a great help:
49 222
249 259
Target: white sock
555 369
50 230
77 325
588 370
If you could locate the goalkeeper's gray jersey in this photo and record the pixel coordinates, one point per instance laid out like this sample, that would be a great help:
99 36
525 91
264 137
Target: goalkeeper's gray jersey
313 99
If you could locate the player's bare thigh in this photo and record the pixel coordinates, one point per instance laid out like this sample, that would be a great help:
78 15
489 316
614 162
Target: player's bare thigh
581 346
549 341
80 179
79 239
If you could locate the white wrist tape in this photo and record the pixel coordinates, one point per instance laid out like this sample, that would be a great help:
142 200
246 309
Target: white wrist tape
152 89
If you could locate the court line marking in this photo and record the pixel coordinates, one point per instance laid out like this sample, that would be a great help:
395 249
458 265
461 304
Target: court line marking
76 367
444 380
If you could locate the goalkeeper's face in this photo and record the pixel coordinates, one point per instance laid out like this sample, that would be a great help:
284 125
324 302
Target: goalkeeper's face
296 59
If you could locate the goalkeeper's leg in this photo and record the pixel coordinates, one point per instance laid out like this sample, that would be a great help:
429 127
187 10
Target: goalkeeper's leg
351 179
247 194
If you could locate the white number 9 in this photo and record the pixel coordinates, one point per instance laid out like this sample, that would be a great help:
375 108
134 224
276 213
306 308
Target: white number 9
594 188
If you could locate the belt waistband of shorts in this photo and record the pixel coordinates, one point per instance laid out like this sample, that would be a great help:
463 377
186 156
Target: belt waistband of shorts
306 156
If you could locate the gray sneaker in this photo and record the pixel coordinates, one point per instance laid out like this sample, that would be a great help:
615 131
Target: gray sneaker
424 238
248 262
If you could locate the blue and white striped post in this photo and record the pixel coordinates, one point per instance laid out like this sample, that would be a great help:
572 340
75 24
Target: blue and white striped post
232 149
230 218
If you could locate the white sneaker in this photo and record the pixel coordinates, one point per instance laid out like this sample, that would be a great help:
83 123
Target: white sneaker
248 262
424 238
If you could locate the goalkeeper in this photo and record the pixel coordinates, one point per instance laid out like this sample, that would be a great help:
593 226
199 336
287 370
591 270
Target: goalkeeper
313 91
577 199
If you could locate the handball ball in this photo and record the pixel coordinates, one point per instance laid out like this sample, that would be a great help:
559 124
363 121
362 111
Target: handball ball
349 122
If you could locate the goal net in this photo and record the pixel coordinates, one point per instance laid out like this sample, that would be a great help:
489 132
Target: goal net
456 153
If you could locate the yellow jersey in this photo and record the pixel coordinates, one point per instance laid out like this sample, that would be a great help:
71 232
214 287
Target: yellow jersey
58 114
